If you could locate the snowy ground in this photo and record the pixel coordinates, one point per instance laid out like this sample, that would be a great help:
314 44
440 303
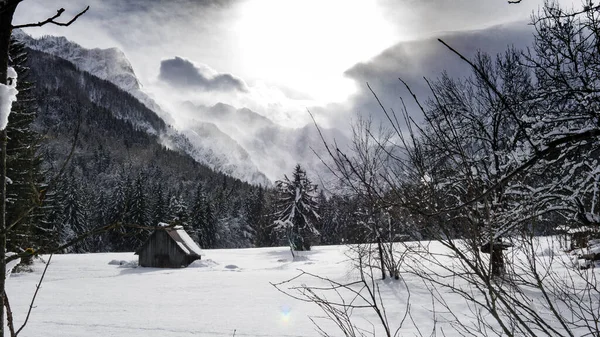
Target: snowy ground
84 295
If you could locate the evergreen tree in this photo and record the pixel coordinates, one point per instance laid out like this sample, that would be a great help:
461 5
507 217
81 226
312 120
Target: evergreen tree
203 222
73 220
138 211
254 213
159 209
24 167
119 206
119 202
327 225
297 209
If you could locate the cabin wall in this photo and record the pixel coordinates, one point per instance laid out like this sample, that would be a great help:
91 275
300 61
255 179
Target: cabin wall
162 252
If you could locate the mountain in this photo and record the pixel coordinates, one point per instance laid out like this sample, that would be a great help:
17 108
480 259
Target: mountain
273 148
108 64
119 170
249 146
205 143
238 142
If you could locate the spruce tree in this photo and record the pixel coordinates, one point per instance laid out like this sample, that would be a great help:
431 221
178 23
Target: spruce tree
119 207
138 212
177 212
26 188
297 209
203 221
74 218
255 216
159 209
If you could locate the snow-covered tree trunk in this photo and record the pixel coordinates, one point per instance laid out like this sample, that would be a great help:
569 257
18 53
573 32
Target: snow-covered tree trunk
6 14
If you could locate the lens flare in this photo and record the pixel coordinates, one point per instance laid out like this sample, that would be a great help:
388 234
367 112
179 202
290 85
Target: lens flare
285 314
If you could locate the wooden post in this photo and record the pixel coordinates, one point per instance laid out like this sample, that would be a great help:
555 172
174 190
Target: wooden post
497 261
496 258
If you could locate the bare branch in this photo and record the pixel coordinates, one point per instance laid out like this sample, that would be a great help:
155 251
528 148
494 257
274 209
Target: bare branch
51 20
37 289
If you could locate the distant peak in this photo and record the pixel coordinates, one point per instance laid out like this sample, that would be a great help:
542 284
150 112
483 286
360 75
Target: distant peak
110 64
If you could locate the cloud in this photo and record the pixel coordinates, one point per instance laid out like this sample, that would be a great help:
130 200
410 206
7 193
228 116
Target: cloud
413 60
422 18
183 73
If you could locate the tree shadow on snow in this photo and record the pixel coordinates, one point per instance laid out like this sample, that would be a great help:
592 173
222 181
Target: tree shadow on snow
284 255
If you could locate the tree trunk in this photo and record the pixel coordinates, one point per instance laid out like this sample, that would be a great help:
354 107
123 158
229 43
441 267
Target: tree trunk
6 15
380 248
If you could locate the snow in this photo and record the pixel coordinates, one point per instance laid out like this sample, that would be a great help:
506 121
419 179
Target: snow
11 264
187 240
8 95
86 295
207 263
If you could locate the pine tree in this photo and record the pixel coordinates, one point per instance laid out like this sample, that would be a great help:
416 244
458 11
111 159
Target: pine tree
159 209
326 224
74 217
254 213
119 201
297 209
177 212
138 212
119 205
24 167
203 222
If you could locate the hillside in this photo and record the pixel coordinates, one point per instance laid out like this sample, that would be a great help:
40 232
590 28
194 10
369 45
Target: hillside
119 148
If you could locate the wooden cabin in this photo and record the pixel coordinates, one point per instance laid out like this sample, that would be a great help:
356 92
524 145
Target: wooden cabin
581 235
168 247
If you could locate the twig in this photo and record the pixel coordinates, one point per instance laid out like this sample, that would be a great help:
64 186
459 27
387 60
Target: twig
50 20
37 289
9 316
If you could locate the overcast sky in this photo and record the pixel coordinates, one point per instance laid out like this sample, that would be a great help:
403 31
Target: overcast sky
277 57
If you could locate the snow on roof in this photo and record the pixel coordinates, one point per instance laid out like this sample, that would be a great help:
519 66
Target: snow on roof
582 229
184 241
181 238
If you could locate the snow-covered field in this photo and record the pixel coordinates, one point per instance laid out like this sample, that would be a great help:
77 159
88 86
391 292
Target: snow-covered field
227 291
84 295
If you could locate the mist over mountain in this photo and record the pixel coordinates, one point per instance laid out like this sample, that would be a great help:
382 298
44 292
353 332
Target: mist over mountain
238 142
246 144
204 143
274 149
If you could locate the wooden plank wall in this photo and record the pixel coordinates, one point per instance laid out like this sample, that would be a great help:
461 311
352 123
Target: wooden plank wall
162 252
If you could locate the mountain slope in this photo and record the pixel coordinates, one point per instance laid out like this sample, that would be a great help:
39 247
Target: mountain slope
108 64
238 142
137 108
275 149
120 172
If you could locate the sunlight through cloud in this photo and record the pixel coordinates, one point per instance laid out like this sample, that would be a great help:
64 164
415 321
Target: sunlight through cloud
310 43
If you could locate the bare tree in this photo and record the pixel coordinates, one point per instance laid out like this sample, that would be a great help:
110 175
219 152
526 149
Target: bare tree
502 156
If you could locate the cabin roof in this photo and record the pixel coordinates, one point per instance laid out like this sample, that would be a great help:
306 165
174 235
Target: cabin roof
181 238
184 241
581 229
